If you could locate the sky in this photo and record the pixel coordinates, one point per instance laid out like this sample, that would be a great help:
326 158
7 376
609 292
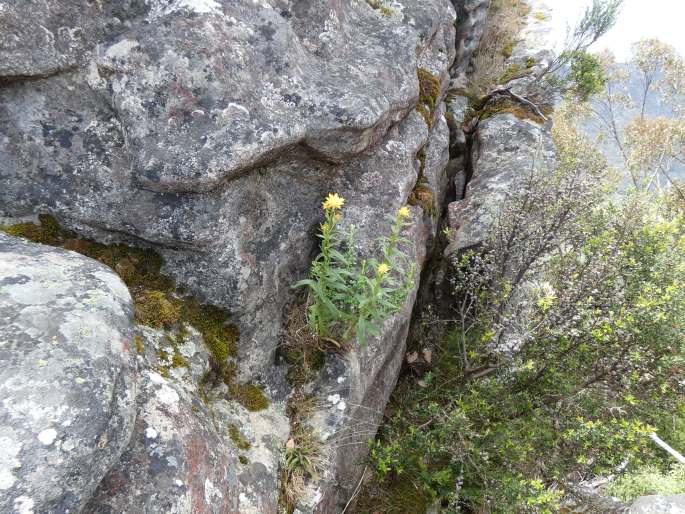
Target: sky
664 19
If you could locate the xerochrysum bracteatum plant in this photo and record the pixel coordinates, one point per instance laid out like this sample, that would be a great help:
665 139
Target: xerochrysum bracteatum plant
351 296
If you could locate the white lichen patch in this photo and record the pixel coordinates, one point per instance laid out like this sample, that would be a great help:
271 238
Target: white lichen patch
47 436
168 396
212 493
23 505
121 49
161 7
9 460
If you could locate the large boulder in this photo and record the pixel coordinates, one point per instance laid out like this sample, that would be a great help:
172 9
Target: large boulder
506 149
67 381
212 131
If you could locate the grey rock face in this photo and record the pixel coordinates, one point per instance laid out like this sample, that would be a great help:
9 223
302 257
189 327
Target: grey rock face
507 148
213 130
67 379
176 462
354 388
659 505
471 15
504 147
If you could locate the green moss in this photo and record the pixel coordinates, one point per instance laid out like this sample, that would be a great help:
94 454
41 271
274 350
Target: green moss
157 309
511 72
508 49
380 6
429 94
304 363
422 194
140 344
179 360
399 496
212 322
48 232
238 438
243 460
250 396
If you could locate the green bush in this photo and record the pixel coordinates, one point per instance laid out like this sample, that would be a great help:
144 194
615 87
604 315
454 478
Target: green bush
565 354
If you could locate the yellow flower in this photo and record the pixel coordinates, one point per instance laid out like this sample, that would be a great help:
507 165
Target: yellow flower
404 212
383 269
333 201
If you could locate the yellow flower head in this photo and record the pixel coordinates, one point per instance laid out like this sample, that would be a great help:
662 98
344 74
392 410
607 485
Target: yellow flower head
383 269
404 212
333 201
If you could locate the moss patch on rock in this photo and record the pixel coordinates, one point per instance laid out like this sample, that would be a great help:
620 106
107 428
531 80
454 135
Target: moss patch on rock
250 396
429 94
423 194
238 438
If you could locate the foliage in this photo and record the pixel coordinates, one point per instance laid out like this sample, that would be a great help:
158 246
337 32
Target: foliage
304 451
573 71
595 22
586 76
349 295
567 350
648 480
649 147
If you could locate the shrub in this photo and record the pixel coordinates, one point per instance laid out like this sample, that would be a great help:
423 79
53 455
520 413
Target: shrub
567 350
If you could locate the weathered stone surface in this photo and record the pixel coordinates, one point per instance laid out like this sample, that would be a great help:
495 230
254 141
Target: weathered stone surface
67 378
471 15
176 463
354 388
659 505
507 148
267 432
212 130
504 146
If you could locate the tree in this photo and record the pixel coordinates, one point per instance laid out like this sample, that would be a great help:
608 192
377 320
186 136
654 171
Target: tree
650 147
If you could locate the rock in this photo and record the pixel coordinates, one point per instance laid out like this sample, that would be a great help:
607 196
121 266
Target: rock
176 462
659 505
266 432
67 379
471 15
354 388
507 148
213 130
